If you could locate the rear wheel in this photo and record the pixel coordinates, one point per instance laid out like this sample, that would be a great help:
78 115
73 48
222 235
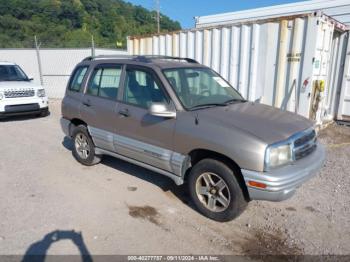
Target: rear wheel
215 191
83 147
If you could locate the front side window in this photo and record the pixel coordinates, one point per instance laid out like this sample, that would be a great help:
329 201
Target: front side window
12 73
141 89
105 82
197 87
77 80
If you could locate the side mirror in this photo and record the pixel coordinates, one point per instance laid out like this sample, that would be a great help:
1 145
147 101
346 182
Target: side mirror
162 110
30 78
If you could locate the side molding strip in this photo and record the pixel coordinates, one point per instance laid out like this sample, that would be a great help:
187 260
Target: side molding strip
178 180
160 158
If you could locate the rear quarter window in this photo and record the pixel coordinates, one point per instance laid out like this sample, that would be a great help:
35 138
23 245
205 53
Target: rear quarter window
77 79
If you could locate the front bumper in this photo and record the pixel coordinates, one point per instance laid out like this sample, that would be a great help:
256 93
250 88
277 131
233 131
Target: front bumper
281 183
23 106
26 109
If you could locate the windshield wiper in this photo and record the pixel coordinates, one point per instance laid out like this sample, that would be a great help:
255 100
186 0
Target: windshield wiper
206 106
226 103
231 101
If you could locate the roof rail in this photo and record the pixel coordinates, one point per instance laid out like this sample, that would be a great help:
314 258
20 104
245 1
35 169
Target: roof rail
91 58
140 58
148 58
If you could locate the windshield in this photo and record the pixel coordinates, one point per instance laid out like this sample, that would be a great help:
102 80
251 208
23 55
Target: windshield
12 73
200 87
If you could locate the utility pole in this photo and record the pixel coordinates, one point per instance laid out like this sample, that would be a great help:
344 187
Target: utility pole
158 15
92 46
37 46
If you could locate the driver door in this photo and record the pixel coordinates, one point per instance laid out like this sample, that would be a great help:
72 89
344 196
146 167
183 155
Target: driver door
142 136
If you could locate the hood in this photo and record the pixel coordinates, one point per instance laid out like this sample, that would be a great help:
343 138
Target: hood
5 85
269 124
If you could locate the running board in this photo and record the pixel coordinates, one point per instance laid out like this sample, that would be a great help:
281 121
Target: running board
177 179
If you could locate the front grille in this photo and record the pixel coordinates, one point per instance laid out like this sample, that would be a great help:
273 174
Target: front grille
305 145
305 139
19 93
21 108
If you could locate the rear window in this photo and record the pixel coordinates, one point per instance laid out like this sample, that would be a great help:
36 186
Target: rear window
77 80
105 82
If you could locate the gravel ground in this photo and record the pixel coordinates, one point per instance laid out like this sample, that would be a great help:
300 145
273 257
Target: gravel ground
118 208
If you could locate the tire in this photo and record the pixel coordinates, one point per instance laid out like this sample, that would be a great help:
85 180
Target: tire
44 113
212 179
81 136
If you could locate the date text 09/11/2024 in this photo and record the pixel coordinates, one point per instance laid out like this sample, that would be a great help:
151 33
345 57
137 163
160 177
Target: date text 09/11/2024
174 258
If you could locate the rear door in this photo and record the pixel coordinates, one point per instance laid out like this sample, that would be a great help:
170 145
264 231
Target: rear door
72 100
99 104
141 136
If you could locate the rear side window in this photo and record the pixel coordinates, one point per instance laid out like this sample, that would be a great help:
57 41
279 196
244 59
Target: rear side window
75 84
104 82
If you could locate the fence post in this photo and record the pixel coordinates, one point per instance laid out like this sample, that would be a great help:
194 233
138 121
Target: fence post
92 46
39 60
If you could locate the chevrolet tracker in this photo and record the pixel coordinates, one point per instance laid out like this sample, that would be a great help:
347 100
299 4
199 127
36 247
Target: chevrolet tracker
183 120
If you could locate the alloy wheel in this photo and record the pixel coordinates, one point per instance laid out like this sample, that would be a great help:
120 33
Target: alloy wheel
82 145
213 192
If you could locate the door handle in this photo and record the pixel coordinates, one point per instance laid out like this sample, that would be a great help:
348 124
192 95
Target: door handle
124 113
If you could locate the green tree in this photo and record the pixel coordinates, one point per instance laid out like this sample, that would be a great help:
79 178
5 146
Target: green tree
70 23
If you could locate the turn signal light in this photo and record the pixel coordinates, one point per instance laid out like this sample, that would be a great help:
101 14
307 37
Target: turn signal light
256 184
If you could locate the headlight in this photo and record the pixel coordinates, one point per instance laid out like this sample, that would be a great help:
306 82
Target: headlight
277 155
41 92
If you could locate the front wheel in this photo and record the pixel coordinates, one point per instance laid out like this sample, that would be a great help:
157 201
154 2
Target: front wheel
83 147
215 191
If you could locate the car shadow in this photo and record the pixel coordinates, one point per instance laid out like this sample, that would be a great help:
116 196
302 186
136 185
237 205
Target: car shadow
37 251
21 118
163 182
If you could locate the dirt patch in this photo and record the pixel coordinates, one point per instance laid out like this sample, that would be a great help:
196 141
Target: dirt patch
291 209
335 134
311 209
145 212
132 188
270 243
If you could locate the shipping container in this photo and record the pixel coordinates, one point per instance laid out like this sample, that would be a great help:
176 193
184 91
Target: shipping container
344 99
290 62
337 9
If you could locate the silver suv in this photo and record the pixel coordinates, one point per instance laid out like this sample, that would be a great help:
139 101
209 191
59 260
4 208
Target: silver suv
183 120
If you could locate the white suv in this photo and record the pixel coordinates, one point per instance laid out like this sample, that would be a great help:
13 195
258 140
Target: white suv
18 95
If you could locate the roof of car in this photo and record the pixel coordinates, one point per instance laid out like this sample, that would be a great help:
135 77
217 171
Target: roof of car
163 62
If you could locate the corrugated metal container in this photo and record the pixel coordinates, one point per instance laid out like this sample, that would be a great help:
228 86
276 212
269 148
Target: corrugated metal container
344 99
276 61
57 64
338 9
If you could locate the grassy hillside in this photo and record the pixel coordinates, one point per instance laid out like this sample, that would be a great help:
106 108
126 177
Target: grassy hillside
70 23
